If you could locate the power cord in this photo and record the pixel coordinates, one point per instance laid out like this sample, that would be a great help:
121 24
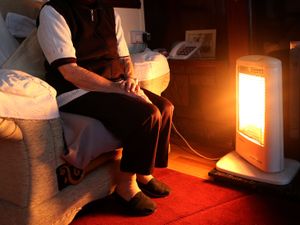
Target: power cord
190 147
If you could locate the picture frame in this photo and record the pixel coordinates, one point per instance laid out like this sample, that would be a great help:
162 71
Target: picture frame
208 42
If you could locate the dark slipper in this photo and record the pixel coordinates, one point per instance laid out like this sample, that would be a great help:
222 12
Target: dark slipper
155 188
139 205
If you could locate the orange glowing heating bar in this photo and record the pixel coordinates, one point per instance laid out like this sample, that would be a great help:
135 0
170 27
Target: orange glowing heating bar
251 102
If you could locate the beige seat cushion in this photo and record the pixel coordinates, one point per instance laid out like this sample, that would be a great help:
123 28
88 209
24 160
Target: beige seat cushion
86 139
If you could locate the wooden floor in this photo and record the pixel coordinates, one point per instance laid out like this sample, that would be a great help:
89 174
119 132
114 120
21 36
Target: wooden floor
182 159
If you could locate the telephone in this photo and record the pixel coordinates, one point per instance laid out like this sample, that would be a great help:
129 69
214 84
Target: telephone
184 50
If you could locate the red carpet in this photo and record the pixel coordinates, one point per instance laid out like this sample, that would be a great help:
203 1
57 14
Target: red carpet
196 201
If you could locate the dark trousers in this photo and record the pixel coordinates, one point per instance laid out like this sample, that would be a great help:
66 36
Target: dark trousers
144 129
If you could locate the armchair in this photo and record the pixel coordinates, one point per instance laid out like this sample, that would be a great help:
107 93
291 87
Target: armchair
37 185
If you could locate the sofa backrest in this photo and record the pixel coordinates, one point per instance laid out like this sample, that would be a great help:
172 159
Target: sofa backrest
28 57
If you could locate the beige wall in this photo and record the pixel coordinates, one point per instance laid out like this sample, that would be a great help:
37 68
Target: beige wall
132 20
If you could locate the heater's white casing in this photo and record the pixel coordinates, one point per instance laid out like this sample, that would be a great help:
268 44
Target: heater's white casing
270 156
264 163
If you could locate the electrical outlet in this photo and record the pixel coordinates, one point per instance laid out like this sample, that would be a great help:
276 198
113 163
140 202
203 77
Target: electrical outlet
136 37
146 37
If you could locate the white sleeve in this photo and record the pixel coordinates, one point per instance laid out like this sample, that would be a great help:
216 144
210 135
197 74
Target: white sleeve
122 45
54 35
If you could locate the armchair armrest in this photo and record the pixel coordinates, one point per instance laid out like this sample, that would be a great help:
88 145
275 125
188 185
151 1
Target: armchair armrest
30 152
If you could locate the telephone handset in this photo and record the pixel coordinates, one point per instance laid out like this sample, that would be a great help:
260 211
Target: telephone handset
184 50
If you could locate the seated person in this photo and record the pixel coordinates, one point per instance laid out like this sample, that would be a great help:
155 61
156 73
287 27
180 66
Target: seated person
88 61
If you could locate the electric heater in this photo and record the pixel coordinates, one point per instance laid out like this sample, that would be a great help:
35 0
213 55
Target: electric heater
259 153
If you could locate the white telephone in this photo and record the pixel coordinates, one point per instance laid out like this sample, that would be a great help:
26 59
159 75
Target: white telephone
184 50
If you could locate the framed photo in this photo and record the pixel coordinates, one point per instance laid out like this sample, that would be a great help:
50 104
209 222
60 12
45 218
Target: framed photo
207 39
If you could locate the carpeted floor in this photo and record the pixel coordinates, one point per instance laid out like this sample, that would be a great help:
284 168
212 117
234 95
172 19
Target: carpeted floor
196 201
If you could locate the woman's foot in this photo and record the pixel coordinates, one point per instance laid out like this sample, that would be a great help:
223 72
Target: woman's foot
143 179
139 204
130 196
127 187
153 187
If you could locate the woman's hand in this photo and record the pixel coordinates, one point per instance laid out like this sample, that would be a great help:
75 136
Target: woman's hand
142 95
130 85
132 88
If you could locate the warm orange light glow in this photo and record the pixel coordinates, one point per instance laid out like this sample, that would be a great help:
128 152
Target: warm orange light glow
251 103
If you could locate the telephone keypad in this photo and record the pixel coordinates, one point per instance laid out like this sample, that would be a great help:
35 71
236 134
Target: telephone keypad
185 50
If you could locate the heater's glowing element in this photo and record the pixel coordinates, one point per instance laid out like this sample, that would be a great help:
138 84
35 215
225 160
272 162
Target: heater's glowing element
259 153
251 102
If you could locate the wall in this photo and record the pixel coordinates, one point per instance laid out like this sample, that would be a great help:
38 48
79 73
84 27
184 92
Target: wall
132 20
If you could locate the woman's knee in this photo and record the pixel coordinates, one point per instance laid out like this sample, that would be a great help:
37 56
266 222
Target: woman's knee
155 113
146 113
167 107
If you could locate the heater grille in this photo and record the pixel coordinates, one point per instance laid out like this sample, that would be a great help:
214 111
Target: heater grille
251 70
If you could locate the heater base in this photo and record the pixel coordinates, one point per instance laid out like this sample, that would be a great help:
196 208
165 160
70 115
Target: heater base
235 165
291 190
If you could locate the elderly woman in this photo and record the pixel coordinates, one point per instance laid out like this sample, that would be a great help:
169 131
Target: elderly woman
88 63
